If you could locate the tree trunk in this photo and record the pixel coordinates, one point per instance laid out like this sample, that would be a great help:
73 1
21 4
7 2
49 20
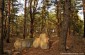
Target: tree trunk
1 17
13 13
84 13
24 34
64 26
43 16
58 16
8 36
32 20
32 16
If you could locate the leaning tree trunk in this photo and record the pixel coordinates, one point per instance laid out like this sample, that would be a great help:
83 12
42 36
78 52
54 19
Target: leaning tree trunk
64 26
1 18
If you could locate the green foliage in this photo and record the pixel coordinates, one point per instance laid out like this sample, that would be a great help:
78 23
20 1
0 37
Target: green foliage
77 25
49 18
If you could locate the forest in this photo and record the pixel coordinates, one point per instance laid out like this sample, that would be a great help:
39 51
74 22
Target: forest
42 27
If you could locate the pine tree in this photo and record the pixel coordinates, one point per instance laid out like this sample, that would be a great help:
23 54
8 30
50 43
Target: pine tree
65 25
1 28
84 12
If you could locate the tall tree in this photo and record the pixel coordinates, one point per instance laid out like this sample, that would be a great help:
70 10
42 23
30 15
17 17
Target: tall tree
13 10
84 11
32 20
24 34
65 25
43 16
2 18
8 36
33 6
58 15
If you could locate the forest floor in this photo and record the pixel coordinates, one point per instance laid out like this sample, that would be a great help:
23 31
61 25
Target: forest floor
78 48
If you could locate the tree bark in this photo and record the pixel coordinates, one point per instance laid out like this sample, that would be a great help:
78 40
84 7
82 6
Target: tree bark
32 21
8 36
58 16
43 16
1 17
84 13
24 34
65 25
32 16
